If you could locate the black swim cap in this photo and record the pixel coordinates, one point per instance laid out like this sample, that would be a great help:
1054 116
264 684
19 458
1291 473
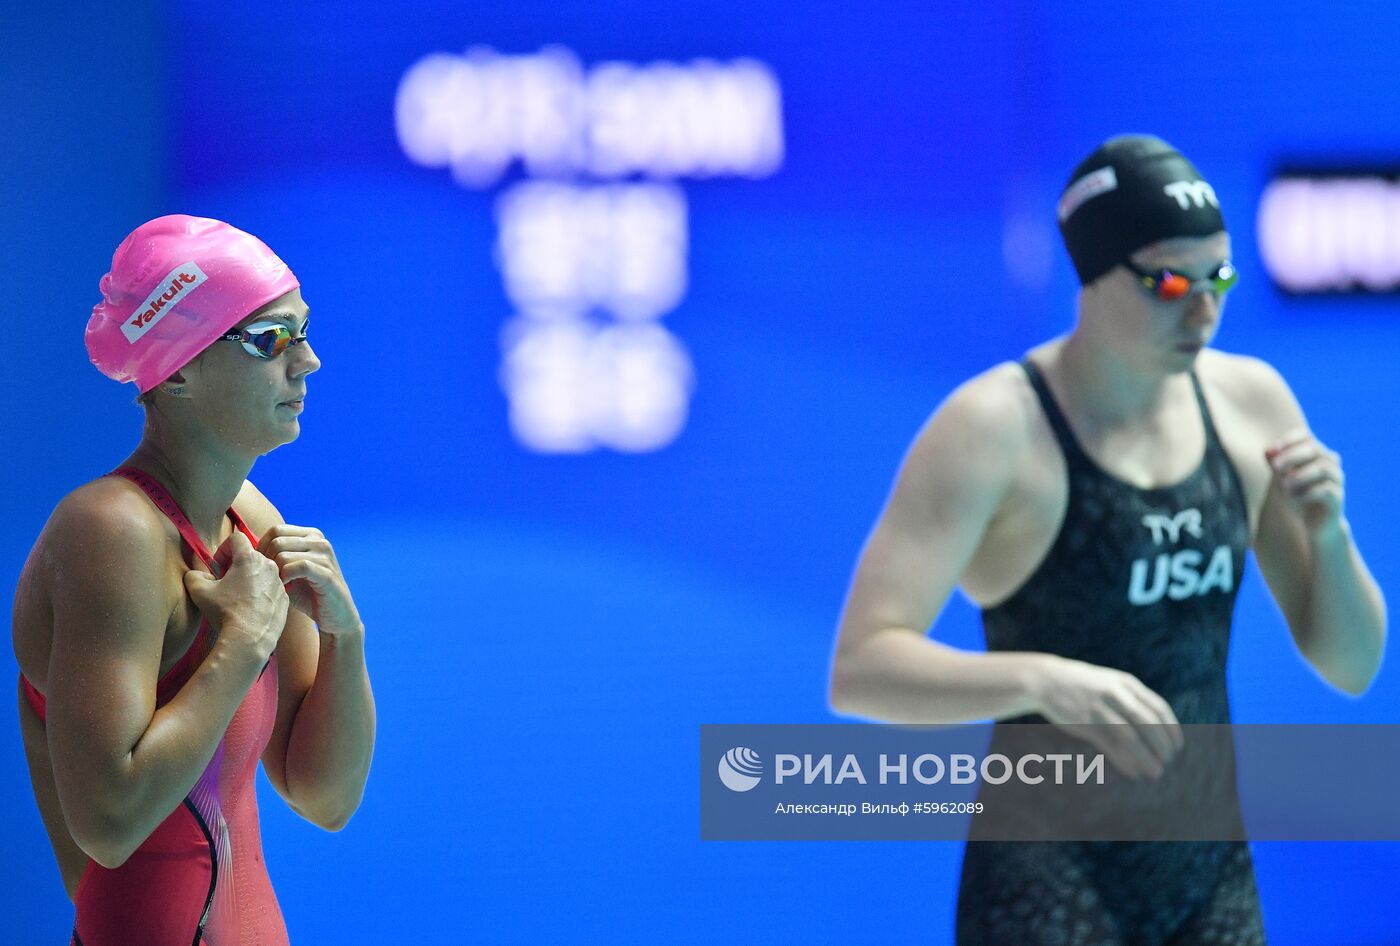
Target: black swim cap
1132 191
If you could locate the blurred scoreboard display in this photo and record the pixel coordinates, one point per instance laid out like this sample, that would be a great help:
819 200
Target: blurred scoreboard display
1332 231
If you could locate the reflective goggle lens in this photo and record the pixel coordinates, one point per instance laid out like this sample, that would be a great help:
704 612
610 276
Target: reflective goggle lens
267 339
271 341
1169 286
1172 286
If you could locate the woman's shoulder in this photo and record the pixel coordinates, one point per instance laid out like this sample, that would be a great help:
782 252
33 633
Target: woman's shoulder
1254 390
106 515
102 553
256 510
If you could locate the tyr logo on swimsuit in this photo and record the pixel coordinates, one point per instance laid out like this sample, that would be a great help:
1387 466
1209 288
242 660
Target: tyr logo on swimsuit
1178 575
1171 526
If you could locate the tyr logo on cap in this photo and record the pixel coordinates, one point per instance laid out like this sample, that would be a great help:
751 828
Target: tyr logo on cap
1191 192
178 283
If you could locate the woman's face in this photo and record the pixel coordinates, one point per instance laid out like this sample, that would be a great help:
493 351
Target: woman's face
1163 336
250 403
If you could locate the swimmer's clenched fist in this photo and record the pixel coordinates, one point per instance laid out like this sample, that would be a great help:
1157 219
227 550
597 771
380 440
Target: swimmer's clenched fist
308 566
1310 476
247 604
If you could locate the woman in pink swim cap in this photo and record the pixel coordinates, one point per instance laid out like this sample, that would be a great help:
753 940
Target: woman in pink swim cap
172 629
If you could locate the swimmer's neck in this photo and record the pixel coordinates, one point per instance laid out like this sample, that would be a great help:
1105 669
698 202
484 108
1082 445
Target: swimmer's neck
202 478
1109 390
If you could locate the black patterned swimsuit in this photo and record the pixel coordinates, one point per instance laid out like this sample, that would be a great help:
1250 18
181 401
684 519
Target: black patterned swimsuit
1143 580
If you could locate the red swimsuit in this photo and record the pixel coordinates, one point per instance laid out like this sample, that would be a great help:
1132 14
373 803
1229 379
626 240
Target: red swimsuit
199 879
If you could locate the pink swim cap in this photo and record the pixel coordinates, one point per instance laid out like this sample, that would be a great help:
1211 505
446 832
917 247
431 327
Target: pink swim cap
178 283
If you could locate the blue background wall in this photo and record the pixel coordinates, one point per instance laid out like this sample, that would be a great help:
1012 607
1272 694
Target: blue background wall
546 634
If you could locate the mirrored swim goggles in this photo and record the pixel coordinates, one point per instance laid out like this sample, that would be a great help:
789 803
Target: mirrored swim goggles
1169 286
266 339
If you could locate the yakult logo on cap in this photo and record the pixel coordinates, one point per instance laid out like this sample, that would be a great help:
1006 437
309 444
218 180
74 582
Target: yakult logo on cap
180 282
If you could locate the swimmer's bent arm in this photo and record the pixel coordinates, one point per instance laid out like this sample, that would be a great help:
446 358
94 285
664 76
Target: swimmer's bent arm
330 744
950 486
318 757
121 766
1304 545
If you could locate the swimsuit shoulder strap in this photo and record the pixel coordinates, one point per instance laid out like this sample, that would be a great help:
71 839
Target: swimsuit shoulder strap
1212 437
170 683
163 501
1075 457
